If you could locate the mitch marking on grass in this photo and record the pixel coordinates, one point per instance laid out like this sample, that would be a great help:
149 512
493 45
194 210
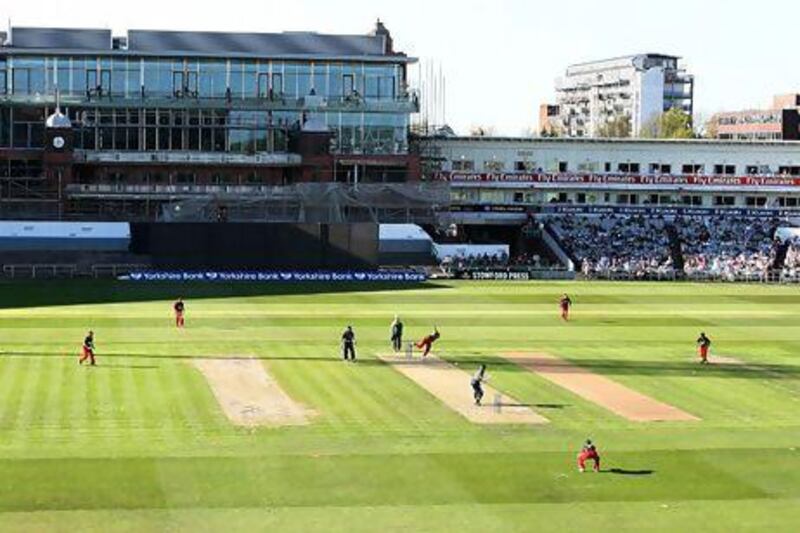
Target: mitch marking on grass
598 389
248 395
452 387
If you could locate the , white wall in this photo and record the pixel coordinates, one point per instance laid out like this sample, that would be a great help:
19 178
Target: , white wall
21 235
466 251
65 230
650 93
546 153
404 238
402 232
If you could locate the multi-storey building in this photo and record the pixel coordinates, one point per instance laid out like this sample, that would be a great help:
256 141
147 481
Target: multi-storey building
549 120
779 122
156 114
506 179
635 88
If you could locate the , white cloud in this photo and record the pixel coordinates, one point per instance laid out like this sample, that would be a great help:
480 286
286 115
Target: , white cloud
500 57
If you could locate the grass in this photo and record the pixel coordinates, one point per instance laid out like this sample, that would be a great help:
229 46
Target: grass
139 443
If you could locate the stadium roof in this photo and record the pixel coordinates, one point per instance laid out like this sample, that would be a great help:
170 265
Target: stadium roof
304 43
376 45
629 56
67 38
607 140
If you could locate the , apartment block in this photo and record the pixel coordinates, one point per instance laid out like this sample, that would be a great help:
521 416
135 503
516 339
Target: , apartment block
779 122
638 87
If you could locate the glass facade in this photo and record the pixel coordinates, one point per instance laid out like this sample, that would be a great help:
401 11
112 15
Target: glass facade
125 102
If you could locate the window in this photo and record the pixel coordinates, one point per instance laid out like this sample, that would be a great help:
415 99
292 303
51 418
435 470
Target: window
5 126
492 196
190 84
348 85
277 84
724 201
493 166
212 81
632 168
692 169
755 201
263 85
724 170
608 166
27 128
788 201
379 82
98 83
693 200
463 165
519 197
303 73
243 80
563 166
525 166
185 178
220 179
631 199
588 166
465 195
184 84
580 198
91 82
660 199
21 80
658 168
792 171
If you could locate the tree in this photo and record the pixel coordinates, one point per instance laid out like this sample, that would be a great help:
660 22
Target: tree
651 129
551 133
673 124
710 127
676 124
616 128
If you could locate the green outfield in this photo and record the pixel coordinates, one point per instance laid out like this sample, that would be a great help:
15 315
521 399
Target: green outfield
140 443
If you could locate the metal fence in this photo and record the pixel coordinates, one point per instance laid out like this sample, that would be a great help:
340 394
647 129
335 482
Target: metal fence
67 270
39 271
699 277
327 203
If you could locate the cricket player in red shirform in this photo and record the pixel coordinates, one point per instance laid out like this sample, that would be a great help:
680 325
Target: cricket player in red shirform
426 343
88 349
565 304
703 344
179 308
589 451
